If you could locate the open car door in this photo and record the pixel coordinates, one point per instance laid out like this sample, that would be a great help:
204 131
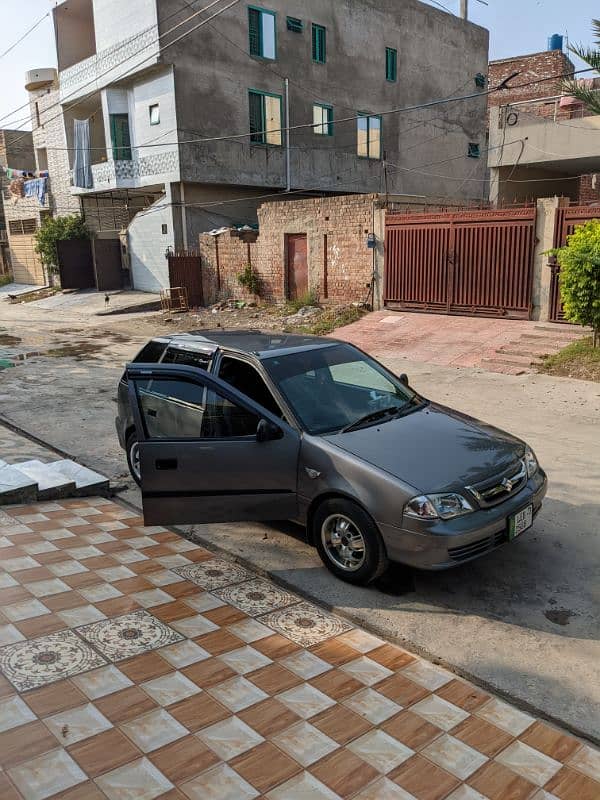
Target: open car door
207 452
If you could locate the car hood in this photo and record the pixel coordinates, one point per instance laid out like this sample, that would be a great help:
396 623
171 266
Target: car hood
433 448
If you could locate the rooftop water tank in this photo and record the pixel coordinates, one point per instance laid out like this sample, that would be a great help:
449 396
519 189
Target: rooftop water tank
555 42
39 78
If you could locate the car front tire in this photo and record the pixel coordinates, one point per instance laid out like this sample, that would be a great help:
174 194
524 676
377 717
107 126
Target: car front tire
349 541
133 458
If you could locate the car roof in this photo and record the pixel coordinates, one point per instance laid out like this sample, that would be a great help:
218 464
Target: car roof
254 342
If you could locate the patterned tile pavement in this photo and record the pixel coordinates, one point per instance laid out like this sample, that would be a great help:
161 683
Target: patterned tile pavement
135 665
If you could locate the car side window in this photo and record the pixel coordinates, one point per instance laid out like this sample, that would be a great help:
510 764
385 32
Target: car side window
248 380
189 358
172 408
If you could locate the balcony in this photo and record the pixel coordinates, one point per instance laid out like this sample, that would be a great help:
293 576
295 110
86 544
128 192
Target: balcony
544 132
129 56
541 149
140 171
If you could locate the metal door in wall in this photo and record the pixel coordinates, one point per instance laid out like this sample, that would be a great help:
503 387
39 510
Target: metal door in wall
76 264
185 269
107 264
471 262
567 220
297 265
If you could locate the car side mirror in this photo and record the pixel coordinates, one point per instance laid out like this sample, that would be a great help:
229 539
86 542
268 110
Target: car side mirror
404 378
267 431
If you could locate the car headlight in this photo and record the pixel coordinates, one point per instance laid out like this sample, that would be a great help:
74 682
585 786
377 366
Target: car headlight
438 506
531 462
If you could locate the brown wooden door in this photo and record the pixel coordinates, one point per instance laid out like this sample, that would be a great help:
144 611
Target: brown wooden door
297 266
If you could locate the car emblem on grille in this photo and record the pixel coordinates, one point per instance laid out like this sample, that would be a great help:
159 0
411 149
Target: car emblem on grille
508 484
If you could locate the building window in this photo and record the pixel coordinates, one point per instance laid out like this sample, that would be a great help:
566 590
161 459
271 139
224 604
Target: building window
164 229
319 44
368 136
474 151
391 64
154 113
294 24
38 121
265 117
323 119
21 227
41 158
120 137
261 33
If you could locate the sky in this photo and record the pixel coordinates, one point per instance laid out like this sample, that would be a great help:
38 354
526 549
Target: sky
516 27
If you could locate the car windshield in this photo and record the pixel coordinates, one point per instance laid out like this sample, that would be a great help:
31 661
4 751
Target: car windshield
332 388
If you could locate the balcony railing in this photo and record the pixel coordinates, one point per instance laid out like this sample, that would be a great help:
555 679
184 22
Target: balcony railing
115 174
556 108
135 53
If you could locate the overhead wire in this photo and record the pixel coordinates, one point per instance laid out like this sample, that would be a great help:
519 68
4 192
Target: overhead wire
25 35
110 69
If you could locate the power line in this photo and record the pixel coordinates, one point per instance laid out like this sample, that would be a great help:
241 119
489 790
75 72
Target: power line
120 46
61 101
24 36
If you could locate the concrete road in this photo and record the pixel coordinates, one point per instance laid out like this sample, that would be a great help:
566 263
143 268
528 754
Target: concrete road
523 620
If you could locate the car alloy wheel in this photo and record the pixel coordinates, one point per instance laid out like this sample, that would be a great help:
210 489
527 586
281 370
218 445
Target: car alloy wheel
134 457
343 542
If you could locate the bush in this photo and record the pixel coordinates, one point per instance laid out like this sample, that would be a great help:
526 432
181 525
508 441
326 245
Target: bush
57 229
250 280
310 298
580 276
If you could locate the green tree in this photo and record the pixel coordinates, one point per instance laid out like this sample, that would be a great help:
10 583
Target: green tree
56 229
580 276
591 56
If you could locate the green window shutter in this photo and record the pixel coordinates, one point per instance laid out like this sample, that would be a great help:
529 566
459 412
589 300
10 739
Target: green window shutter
294 24
391 64
319 46
257 117
254 36
121 140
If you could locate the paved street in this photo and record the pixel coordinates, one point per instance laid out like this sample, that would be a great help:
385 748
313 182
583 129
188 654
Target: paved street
138 665
522 621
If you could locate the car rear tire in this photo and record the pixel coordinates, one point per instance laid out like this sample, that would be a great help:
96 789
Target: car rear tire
348 541
133 457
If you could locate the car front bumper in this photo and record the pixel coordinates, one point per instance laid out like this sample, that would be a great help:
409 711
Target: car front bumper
443 544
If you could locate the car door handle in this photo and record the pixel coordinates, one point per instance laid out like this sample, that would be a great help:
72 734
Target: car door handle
165 463
151 412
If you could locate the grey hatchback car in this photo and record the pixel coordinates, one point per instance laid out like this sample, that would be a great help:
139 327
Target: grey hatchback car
242 425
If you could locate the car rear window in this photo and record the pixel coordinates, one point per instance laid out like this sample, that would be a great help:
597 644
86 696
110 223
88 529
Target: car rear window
189 358
151 352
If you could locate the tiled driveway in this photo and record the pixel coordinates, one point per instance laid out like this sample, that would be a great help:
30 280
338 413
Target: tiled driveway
137 665
446 340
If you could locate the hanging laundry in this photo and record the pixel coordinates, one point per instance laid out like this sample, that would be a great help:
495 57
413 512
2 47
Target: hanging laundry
36 188
82 168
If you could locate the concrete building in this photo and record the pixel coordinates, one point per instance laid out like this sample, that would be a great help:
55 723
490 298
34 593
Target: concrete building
542 143
153 78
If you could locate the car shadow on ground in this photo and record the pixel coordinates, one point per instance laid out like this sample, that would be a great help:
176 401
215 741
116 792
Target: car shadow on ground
539 582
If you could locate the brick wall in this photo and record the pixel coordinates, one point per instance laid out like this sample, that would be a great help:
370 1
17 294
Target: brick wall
340 265
530 68
589 189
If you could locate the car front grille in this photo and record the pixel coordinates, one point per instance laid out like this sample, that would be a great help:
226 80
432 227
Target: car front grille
478 547
499 488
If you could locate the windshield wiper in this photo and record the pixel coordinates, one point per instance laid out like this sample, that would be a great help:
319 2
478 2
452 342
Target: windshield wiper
373 416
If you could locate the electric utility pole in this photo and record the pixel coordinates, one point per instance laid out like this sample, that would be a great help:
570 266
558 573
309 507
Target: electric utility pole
464 9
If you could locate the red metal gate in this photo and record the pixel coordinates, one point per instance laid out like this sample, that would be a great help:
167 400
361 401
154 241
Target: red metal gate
566 221
471 262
